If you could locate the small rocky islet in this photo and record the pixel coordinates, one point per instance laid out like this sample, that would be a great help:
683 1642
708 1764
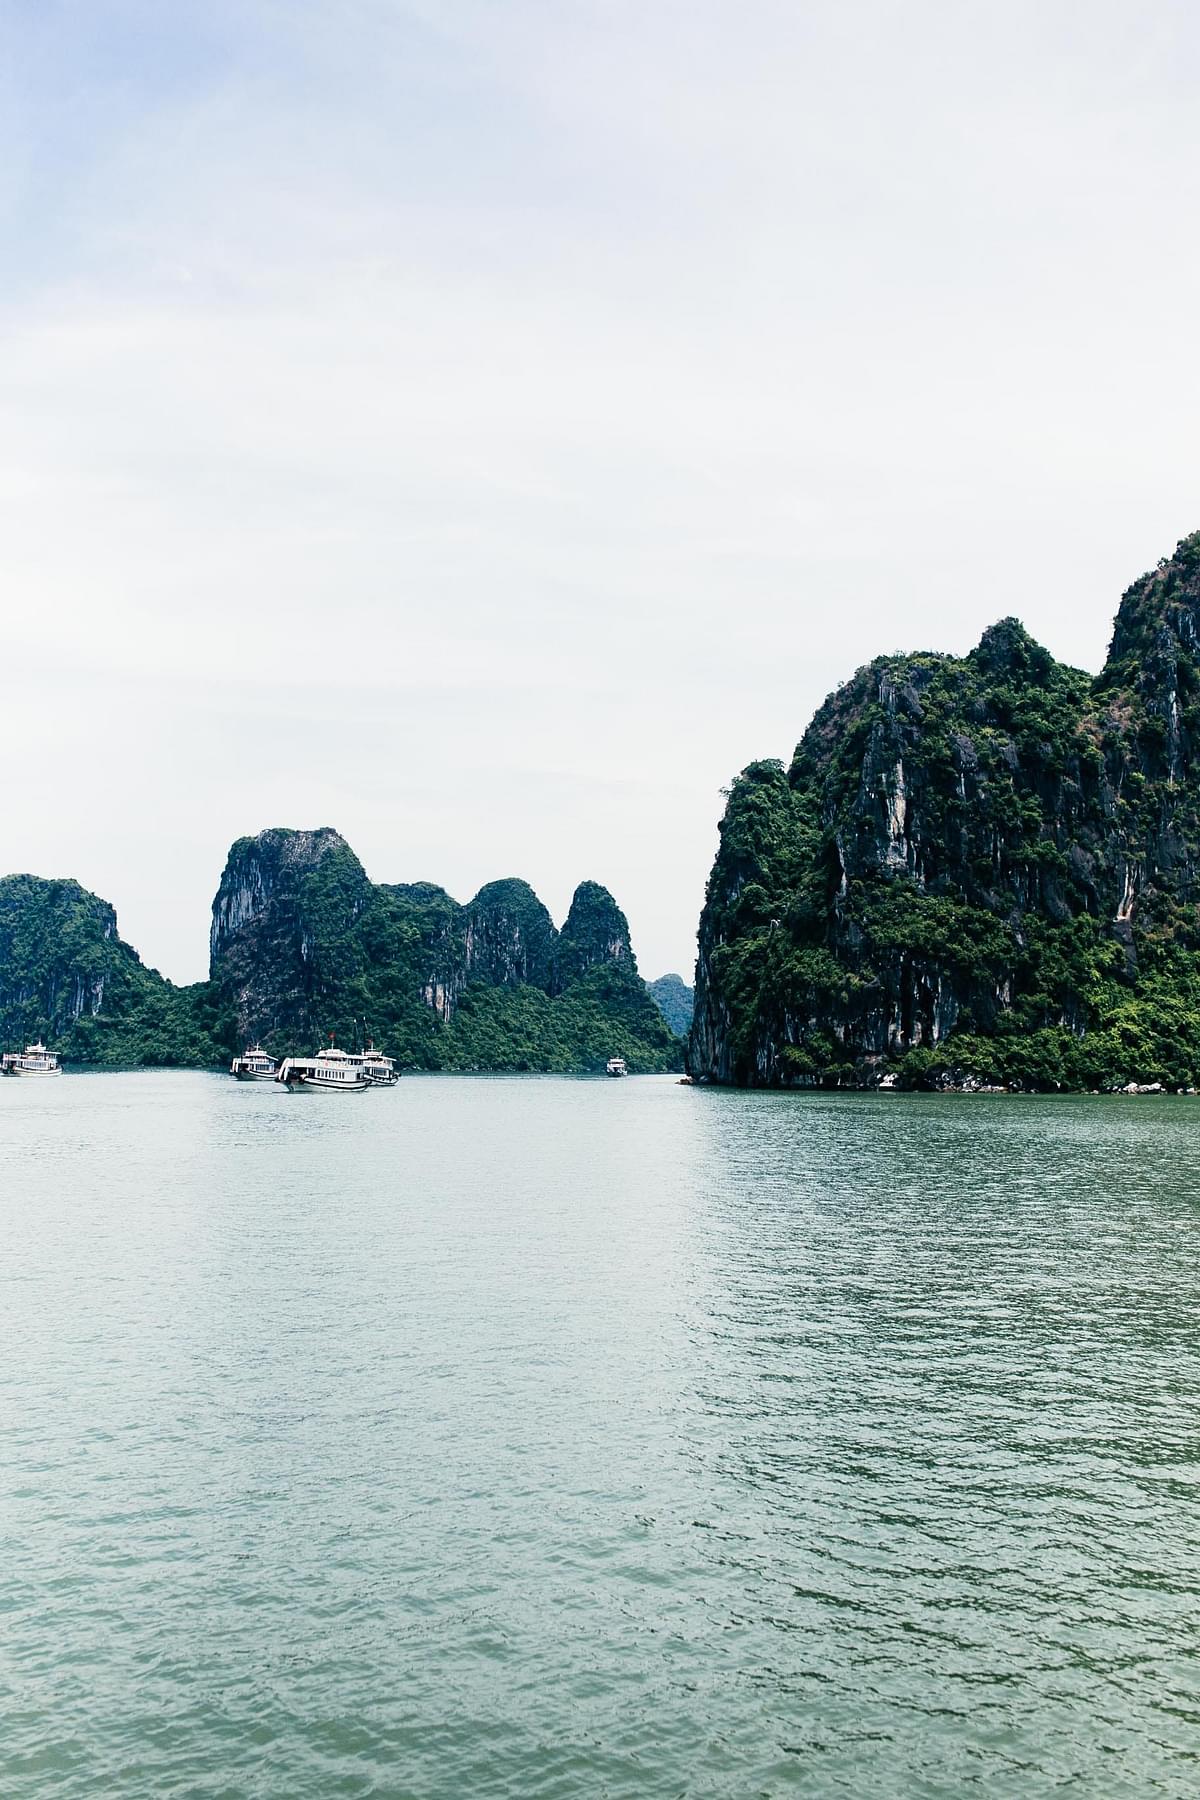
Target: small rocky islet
978 871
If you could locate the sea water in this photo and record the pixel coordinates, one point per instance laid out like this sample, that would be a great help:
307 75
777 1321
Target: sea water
547 1437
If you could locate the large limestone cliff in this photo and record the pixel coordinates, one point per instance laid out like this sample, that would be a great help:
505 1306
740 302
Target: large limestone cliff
279 919
984 866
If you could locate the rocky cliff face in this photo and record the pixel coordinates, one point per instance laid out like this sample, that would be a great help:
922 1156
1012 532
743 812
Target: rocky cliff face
509 937
59 950
417 929
280 921
982 866
66 976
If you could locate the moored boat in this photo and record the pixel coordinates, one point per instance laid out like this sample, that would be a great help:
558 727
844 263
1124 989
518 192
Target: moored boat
34 1060
330 1071
255 1065
616 1065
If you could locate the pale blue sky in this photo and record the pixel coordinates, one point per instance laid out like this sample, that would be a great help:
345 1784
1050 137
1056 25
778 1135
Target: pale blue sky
485 427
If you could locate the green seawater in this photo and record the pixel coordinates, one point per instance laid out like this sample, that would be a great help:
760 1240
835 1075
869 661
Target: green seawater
547 1437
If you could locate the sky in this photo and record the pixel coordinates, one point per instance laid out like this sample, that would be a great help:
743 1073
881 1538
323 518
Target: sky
484 426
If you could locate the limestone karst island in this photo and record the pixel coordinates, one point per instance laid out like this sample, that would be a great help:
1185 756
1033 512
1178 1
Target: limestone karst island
976 871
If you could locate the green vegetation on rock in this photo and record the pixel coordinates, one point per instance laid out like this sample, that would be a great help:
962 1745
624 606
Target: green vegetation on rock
66 977
979 868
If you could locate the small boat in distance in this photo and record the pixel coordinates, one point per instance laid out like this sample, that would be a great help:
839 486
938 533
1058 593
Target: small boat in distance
330 1071
36 1060
616 1065
256 1065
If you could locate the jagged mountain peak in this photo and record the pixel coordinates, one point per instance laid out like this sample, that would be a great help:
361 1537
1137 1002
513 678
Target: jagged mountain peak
508 890
594 932
1006 648
262 875
1158 618
289 845
510 936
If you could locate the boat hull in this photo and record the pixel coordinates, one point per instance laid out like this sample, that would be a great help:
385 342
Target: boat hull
31 1074
312 1084
246 1075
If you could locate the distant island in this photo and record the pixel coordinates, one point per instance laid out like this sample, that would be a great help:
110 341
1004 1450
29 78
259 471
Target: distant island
675 1000
976 870
303 944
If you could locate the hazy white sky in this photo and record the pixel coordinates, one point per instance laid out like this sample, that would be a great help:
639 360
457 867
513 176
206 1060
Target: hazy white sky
485 425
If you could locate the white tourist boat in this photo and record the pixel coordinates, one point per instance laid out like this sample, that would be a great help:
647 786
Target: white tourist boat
616 1065
34 1060
331 1071
379 1069
255 1065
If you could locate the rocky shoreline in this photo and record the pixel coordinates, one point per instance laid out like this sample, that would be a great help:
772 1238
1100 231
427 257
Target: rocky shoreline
892 1084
